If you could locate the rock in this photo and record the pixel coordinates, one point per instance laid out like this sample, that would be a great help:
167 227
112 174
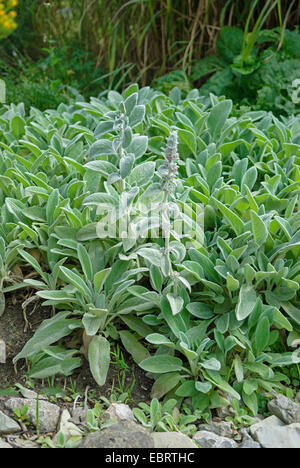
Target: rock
2 352
119 412
285 409
265 426
18 442
245 434
125 434
279 436
223 428
30 394
272 433
211 440
79 415
68 428
8 425
4 445
249 444
48 413
297 398
172 440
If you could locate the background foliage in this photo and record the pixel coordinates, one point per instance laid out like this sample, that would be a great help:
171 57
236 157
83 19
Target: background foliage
93 45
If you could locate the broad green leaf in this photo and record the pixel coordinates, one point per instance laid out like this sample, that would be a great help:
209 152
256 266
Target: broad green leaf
77 281
158 339
142 174
51 331
99 359
246 302
161 364
85 261
233 219
259 228
176 303
217 117
133 346
99 279
215 378
164 384
262 334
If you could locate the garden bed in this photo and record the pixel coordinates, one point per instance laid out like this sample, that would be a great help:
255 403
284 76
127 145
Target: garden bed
15 331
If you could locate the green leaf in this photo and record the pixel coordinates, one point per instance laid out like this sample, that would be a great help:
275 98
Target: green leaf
200 310
99 359
75 279
156 277
142 174
51 331
217 117
233 219
150 254
103 167
18 126
94 320
85 261
203 387
176 303
232 283
187 389
161 364
126 165
246 302
164 384
32 261
59 296
251 401
188 138
262 334
158 339
215 378
101 148
259 229
137 116
138 146
133 346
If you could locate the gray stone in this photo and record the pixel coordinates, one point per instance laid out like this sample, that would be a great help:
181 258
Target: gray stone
79 415
48 413
67 427
8 425
30 394
172 440
223 428
285 409
119 412
245 435
297 398
279 436
2 352
210 440
125 434
249 444
18 442
265 426
4 445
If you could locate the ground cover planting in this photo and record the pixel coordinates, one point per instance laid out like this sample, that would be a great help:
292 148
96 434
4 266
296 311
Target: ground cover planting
167 224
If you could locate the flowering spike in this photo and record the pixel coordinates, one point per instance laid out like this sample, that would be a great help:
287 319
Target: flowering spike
170 168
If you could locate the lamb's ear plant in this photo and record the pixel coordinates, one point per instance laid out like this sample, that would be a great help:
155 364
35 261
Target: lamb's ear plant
92 198
10 277
165 417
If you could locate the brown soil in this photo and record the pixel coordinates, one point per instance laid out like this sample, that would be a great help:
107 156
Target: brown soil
15 333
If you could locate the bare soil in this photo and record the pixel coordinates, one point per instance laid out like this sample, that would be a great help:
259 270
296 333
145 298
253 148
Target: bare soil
16 329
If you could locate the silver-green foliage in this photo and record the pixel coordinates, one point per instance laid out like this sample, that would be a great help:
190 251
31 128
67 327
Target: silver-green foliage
207 316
